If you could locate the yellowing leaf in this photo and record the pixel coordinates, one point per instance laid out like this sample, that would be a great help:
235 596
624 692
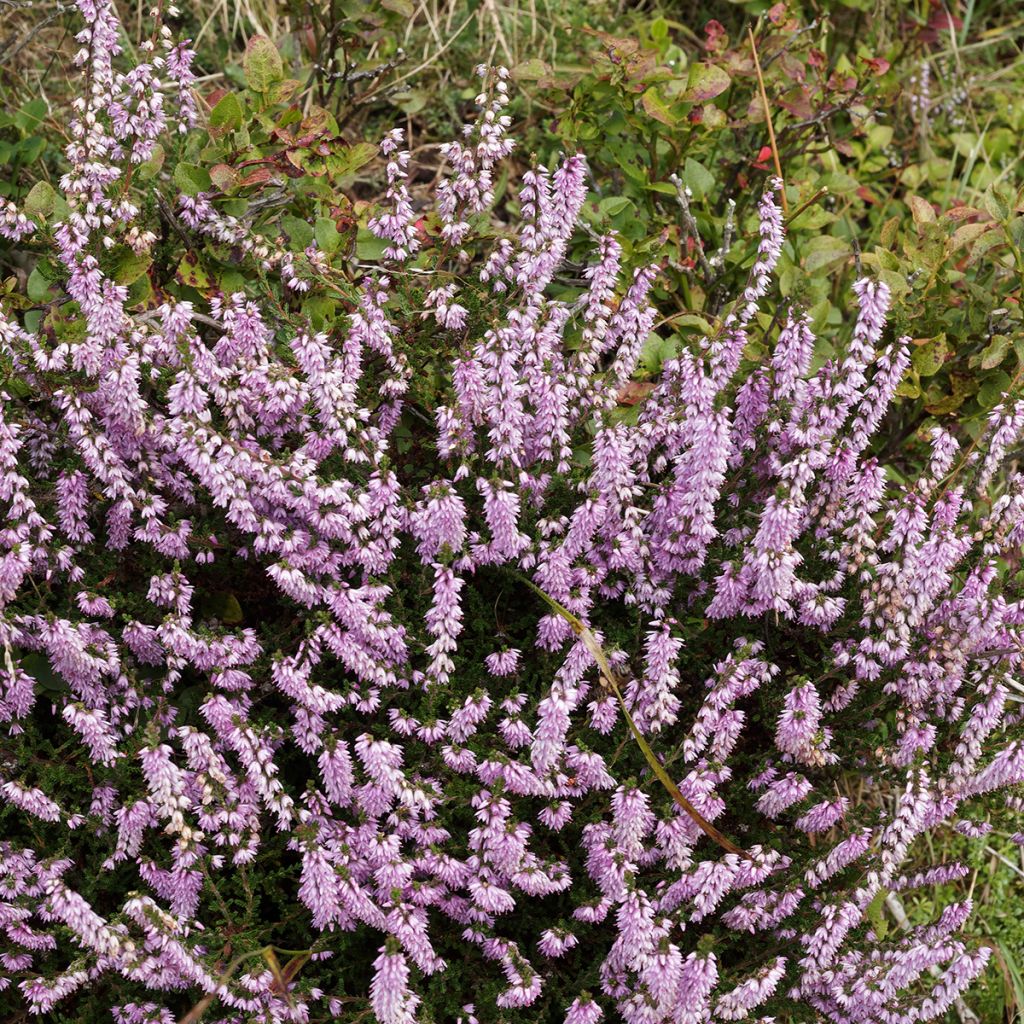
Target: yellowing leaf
921 210
657 108
262 64
706 81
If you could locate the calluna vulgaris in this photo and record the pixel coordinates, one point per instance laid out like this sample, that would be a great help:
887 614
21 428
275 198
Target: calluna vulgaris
823 661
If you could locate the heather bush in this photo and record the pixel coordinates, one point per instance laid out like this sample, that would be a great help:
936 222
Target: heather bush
334 689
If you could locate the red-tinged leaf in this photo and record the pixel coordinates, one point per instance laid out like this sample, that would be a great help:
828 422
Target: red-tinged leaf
706 81
715 36
958 213
634 391
214 96
191 273
863 192
256 176
921 210
877 64
966 234
655 106
842 83
777 13
224 177
262 64
797 102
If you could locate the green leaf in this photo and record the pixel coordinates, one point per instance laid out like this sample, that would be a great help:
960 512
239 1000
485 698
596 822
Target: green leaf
656 107
38 667
928 359
992 389
140 291
995 352
410 101
299 231
40 201
230 611
1017 232
693 320
910 386
346 160
262 64
654 353
227 114
38 286
368 246
230 281
532 70
130 267
612 206
191 179
320 309
326 234
191 273
31 115
823 251
150 168
697 178
659 30
875 913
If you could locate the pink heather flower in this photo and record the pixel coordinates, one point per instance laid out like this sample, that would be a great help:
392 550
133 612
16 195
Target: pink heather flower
503 663
14 225
821 817
320 890
32 801
554 942
583 1010
396 224
737 1004
799 731
390 997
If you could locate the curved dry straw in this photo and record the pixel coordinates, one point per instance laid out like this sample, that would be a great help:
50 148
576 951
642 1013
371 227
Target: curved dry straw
590 642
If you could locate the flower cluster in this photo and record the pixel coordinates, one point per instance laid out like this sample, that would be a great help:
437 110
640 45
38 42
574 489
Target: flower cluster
430 764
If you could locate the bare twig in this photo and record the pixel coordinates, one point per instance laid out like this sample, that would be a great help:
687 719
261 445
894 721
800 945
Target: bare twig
683 197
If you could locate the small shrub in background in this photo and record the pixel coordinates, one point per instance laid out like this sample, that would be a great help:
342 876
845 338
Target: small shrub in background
337 688
887 165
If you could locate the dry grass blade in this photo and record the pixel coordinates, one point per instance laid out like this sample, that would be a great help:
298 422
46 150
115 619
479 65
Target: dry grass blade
283 977
768 119
590 641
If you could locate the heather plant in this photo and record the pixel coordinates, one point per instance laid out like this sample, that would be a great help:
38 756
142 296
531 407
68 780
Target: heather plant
323 699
